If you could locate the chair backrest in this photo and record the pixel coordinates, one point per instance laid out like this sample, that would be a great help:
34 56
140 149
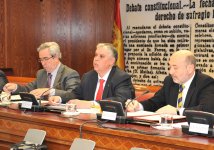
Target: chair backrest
35 136
82 144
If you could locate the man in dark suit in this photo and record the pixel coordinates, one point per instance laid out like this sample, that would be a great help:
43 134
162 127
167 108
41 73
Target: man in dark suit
3 80
117 84
197 90
54 79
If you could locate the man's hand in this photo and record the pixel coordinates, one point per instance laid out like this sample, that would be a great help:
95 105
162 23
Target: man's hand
40 92
10 87
81 104
168 109
54 100
132 105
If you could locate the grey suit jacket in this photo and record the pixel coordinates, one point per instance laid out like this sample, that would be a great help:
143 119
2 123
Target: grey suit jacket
199 96
66 80
3 80
118 86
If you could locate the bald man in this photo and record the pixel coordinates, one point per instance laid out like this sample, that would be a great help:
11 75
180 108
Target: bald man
197 88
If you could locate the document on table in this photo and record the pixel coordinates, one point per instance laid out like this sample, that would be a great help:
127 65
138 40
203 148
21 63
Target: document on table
149 116
61 107
156 117
20 101
140 113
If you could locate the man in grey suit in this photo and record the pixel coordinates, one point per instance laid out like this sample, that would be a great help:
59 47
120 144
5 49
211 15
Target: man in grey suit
116 84
54 79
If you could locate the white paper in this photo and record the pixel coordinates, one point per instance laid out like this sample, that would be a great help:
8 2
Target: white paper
109 115
140 113
26 104
199 128
88 111
15 97
156 117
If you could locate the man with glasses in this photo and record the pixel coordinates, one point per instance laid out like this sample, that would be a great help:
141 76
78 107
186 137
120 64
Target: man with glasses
54 79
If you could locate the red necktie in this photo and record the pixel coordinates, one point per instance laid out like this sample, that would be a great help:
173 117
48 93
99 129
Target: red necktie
100 90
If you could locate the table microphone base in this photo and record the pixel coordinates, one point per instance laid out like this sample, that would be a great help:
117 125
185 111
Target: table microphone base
185 129
119 119
35 108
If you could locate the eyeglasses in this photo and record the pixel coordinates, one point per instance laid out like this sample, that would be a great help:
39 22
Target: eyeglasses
44 59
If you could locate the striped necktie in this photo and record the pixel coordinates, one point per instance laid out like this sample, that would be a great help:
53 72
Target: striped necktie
180 103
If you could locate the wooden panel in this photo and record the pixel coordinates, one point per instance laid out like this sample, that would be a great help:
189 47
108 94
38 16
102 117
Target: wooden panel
76 25
2 34
23 36
56 25
92 23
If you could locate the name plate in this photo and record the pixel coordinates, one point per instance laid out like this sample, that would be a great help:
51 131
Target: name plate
109 115
26 104
199 128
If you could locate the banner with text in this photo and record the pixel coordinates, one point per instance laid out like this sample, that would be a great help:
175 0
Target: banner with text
154 29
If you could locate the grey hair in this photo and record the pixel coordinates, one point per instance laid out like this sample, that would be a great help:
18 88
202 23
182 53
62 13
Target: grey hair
53 48
110 47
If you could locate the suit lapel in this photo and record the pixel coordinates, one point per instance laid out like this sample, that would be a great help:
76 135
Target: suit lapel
190 93
93 85
173 95
59 75
43 82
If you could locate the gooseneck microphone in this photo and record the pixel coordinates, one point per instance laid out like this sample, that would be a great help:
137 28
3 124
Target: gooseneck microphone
131 120
42 95
145 92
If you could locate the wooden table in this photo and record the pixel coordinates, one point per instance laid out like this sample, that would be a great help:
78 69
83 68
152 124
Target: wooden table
61 131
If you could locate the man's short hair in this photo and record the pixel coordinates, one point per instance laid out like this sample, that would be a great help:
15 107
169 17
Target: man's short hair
53 48
190 58
110 47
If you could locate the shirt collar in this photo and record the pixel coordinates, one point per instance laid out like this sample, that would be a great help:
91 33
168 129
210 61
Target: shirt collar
187 84
55 70
105 77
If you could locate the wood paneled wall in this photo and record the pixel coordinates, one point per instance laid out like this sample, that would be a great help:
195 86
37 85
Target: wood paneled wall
77 25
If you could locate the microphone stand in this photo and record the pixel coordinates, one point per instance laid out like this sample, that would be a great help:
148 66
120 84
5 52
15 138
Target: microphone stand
40 98
145 92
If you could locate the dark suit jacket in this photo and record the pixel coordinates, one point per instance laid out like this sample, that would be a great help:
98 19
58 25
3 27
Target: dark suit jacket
3 80
66 80
200 95
118 86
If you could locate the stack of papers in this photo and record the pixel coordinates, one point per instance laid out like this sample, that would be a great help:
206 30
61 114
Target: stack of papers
140 113
149 116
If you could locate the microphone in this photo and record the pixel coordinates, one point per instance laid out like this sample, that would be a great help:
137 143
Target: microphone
130 120
145 92
42 95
